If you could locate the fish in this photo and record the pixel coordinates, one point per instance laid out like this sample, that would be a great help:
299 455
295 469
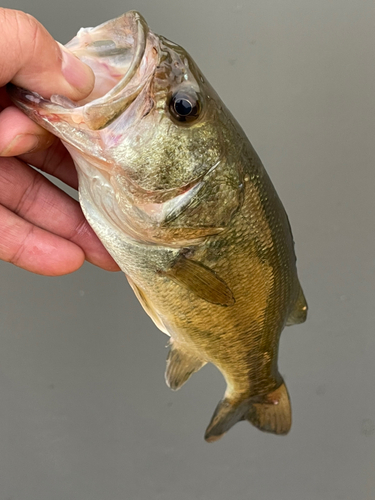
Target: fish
178 196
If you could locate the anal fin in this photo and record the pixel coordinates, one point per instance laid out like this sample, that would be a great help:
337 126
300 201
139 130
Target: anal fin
269 413
180 366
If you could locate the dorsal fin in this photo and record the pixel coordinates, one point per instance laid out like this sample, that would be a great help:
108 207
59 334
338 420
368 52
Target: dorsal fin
299 311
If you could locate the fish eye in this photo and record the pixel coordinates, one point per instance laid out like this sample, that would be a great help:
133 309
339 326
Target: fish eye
185 107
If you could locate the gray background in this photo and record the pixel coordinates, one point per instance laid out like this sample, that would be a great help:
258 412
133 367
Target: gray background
84 411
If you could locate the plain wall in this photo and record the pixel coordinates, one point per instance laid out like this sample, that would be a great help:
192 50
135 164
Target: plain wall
84 410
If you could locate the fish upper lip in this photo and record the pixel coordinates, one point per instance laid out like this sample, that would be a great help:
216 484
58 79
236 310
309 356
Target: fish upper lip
97 113
99 110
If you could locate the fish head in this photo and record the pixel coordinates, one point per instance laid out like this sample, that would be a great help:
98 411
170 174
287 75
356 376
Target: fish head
153 133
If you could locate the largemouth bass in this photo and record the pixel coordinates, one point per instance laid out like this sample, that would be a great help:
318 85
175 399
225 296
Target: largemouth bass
178 196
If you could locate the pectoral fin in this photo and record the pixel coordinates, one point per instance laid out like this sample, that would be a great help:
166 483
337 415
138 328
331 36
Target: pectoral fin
180 366
200 280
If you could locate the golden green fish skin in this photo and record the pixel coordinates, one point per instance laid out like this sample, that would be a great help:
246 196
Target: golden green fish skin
190 215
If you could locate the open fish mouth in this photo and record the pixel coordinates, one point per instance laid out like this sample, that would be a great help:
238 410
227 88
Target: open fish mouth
123 55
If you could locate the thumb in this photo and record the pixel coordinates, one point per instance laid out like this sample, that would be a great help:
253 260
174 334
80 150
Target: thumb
31 58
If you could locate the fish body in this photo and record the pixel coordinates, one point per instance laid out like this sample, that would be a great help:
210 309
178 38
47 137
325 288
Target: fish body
175 191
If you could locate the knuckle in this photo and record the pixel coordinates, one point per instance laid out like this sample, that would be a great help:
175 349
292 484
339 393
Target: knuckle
23 29
29 196
79 230
17 256
53 160
29 28
8 176
3 14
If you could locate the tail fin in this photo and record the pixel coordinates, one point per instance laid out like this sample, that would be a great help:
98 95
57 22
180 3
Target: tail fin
270 413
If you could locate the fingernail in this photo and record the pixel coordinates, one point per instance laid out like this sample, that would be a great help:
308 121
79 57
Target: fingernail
21 144
76 73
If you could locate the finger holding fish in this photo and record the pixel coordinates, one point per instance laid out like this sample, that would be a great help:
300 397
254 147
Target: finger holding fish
43 229
49 233
18 134
58 71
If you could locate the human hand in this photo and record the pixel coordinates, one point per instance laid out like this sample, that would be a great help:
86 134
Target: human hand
42 229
